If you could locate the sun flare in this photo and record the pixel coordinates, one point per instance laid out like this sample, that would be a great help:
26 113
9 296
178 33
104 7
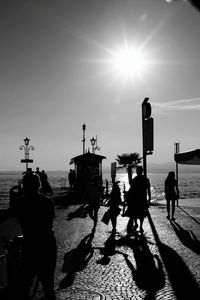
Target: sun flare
129 62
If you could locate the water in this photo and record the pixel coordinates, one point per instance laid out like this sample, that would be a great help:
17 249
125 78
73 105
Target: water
9 179
189 183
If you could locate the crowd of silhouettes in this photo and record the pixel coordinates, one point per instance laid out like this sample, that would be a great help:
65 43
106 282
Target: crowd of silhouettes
31 204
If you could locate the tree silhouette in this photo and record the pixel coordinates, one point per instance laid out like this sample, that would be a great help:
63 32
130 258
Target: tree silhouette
129 162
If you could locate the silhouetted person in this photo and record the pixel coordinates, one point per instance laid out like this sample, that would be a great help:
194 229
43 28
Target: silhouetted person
137 199
72 179
35 214
45 185
38 172
171 193
94 197
114 202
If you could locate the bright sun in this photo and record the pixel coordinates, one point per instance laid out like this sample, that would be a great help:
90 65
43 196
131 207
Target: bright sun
128 63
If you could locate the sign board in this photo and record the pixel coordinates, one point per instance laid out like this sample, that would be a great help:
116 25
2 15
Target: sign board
113 170
26 160
148 135
146 109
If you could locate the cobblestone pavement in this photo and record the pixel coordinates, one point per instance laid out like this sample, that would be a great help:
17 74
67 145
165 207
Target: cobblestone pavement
163 263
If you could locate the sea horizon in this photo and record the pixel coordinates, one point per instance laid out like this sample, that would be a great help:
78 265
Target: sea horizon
189 182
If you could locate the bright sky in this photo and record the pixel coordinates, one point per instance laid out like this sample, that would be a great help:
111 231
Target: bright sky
68 62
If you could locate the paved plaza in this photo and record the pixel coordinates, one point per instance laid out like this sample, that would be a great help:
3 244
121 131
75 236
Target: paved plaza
163 263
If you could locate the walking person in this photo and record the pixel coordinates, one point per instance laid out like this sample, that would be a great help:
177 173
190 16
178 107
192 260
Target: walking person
137 200
171 194
114 202
35 213
94 193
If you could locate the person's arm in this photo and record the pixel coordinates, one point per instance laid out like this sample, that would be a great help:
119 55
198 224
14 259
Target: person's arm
177 191
166 188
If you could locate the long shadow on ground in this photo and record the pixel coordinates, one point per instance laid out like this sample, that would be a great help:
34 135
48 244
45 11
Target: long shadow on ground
77 259
187 237
194 219
148 271
182 281
80 212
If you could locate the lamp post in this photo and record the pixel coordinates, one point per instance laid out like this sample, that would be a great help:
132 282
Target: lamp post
26 149
94 145
83 140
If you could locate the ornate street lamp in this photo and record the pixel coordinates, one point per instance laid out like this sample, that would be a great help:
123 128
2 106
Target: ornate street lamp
26 149
94 145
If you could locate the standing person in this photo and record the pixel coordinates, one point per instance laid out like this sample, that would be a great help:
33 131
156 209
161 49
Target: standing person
45 185
94 197
137 199
35 214
171 193
114 202
72 179
38 172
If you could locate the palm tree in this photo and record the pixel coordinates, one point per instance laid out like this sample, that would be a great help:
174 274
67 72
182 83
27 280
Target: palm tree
129 161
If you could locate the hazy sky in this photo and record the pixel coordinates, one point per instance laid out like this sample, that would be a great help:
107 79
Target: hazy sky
58 70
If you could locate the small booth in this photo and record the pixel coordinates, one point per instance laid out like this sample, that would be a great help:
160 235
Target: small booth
87 166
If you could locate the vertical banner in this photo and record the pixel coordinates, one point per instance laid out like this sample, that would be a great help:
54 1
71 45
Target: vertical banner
148 135
113 170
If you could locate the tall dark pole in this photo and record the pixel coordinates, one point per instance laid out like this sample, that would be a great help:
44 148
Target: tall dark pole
147 133
146 141
144 152
176 151
83 128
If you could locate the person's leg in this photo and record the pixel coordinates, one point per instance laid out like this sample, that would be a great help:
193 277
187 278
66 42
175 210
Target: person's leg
173 209
114 222
47 268
95 215
168 208
48 286
91 211
136 224
130 225
141 224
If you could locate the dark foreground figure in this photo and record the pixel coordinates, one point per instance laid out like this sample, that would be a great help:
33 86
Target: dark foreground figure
35 214
137 200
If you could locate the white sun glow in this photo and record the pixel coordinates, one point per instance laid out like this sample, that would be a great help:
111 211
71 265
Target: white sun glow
129 62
